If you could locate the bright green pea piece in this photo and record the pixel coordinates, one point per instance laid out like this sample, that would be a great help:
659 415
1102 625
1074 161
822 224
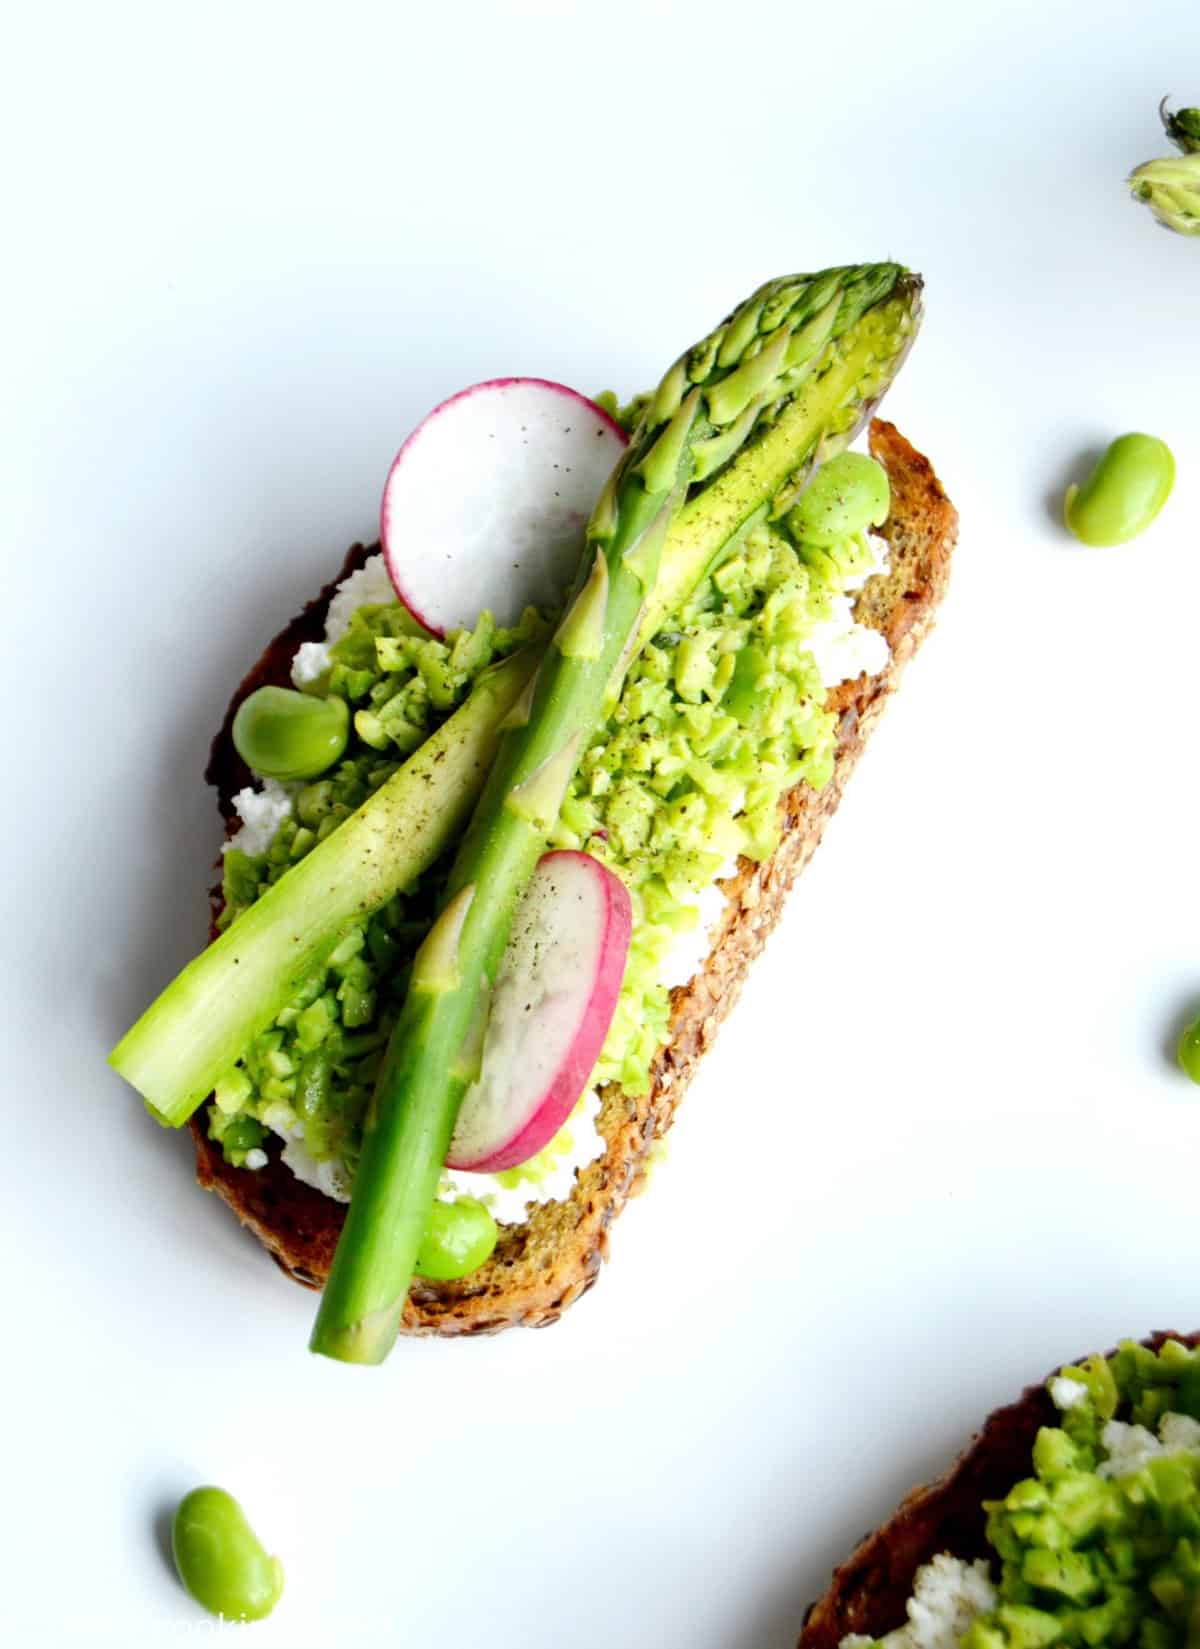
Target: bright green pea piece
1123 494
221 1560
1189 1051
847 495
283 734
458 1239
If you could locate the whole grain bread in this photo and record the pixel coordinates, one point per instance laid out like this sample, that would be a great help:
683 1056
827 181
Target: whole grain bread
541 1266
868 1593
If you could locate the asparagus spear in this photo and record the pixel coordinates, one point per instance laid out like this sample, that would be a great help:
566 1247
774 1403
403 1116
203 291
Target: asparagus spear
742 416
206 1019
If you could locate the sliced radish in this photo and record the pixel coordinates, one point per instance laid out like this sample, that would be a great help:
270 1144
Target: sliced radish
486 501
553 1003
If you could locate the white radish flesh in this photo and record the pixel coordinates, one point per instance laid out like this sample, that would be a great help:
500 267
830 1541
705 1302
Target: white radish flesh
554 999
486 501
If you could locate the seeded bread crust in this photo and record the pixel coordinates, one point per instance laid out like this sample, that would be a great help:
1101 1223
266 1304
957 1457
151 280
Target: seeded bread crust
541 1266
869 1591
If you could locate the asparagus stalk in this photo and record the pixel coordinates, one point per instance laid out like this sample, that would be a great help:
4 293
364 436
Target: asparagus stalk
206 1019
742 417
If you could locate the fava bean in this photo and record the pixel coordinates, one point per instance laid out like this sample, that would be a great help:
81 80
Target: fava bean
221 1560
1189 1051
1123 494
458 1239
283 734
848 494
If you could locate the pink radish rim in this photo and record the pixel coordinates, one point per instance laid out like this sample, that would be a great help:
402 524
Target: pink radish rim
620 911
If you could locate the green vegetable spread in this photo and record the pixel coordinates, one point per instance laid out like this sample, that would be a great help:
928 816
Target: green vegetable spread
1101 1545
720 715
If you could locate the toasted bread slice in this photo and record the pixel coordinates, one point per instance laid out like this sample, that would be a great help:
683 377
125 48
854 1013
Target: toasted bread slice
541 1266
868 1593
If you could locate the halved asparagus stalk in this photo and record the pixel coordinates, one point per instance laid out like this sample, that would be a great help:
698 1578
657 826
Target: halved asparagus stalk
743 416
194 1033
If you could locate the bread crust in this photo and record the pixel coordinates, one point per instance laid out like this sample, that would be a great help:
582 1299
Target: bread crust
543 1265
868 1592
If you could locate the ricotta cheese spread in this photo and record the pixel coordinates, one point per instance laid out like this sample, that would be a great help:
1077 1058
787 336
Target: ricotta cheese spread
1131 1447
948 1595
370 586
261 812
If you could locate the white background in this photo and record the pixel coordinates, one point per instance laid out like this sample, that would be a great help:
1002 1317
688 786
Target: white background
941 1144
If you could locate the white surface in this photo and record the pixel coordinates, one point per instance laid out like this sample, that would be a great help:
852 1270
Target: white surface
940 1145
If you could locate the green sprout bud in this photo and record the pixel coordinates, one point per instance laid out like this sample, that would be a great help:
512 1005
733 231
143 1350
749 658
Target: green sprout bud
1182 127
1171 189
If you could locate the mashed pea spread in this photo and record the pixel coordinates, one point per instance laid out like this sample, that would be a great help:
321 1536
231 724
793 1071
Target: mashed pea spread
1101 1545
720 715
